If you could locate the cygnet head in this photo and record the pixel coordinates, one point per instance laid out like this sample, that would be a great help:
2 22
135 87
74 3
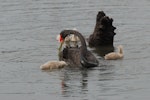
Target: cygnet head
63 63
120 49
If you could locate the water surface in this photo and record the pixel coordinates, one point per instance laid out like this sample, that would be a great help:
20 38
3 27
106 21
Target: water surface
28 29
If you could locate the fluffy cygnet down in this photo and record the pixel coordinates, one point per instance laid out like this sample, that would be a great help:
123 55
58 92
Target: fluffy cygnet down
53 65
115 55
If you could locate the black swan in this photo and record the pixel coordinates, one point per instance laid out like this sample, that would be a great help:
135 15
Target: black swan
103 34
77 56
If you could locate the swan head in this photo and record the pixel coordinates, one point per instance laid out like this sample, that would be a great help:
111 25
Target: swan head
61 37
67 33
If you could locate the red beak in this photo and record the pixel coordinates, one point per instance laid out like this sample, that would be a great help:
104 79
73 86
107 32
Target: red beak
60 39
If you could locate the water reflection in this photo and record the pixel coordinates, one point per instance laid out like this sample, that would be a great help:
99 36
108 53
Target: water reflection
75 81
78 81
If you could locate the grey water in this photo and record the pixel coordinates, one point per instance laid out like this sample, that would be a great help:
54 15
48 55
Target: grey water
28 30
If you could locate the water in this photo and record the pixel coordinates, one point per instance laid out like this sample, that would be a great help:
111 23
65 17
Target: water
28 29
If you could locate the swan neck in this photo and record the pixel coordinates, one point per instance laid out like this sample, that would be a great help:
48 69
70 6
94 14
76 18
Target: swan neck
120 50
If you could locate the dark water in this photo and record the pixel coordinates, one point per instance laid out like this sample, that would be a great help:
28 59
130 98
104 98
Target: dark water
28 29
